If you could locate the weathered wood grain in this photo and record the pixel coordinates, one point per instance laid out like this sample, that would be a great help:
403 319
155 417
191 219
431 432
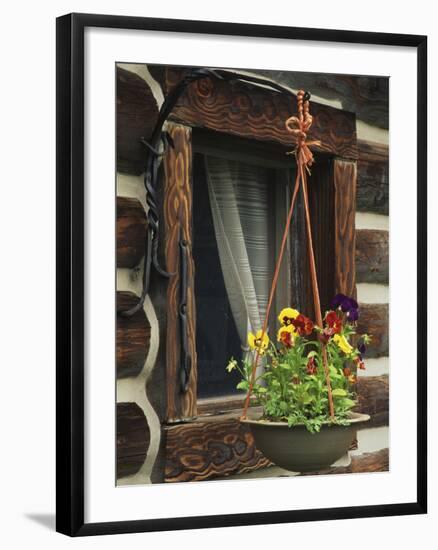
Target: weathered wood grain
373 177
131 232
258 113
379 419
344 179
223 404
177 213
373 395
374 320
133 438
137 113
211 447
372 151
372 256
367 96
377 461
133 337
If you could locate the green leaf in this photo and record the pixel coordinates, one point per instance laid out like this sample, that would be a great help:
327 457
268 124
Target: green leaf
307 398
242 385
332 370
339 392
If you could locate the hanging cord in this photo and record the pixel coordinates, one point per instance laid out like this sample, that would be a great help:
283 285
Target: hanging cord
298 127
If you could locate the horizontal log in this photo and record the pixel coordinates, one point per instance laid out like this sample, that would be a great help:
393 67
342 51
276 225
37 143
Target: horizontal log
133 437
367 96
131 232
377 461
373 396
379 419
210 447
258 113
373 177
374 320
372 256
137 113
133 337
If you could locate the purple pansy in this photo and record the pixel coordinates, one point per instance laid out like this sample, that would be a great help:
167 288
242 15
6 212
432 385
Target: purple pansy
353 314
347 305
362 348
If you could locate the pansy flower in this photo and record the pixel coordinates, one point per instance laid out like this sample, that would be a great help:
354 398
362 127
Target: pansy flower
353 314
333 322
342 343
303 325
258 341
287 315
359 362
286 335
347 305
311 365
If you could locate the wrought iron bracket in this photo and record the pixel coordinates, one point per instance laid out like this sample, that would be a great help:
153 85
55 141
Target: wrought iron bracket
185 358
154 155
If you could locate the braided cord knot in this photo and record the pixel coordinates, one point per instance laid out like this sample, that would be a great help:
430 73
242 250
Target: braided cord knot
299 126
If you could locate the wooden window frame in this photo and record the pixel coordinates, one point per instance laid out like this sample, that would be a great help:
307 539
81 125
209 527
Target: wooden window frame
257 114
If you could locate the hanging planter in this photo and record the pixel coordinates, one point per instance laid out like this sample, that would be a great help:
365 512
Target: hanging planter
299 450
307 421
307 388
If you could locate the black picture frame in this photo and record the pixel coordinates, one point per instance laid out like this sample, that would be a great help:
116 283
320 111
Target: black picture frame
70 273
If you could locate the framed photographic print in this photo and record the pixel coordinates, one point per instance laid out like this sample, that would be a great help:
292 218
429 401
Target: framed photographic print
241 267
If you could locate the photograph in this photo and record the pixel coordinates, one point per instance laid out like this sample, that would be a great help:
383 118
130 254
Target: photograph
218 275
252 274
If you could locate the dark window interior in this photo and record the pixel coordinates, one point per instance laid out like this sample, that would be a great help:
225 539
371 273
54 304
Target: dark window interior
216 334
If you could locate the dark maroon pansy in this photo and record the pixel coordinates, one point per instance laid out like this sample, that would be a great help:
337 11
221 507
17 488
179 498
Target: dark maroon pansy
303 325
334 323
311 366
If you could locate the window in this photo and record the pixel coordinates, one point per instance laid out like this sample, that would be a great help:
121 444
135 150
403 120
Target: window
240 202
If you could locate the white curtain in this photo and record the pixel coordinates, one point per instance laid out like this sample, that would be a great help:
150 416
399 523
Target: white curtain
240 206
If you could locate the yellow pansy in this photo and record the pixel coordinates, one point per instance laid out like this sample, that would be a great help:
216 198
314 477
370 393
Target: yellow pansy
286 335
343 344
258 341
287 315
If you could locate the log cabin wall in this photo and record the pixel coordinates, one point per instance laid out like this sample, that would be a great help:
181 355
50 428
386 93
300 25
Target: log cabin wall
140 413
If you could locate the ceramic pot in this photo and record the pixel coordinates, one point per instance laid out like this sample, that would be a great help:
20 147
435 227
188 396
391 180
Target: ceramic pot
298 450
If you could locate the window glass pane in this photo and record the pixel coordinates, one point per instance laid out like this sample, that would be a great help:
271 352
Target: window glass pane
233 252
